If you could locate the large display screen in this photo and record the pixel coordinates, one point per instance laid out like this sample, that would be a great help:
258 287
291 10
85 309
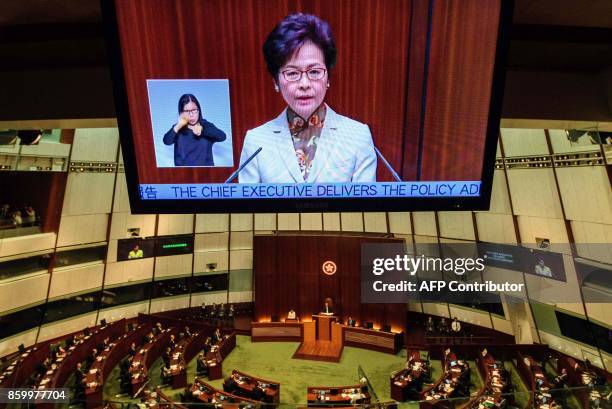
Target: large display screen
322 105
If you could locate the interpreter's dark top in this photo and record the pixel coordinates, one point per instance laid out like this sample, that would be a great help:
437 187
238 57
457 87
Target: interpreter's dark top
191 149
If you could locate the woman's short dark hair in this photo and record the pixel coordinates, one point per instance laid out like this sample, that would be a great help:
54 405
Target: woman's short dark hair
187 98
291 33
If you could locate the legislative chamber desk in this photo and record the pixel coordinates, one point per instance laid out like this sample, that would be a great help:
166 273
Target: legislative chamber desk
319 396
185 350
75 354
407 383
23 365
146 355
436 395
105 363
247 384
217 354
205 393
389 342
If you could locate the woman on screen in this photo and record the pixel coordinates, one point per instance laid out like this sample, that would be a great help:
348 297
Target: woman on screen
192 135
308 142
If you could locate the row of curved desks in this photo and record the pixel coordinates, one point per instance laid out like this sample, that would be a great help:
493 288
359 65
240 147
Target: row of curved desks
217 354
494 385
532 372
252 387
205 393
23 365
107 360
447 386
64 367
323 396
145 357
186 349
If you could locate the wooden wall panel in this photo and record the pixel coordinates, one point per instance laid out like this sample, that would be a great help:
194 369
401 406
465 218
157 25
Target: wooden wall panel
459 75
298 282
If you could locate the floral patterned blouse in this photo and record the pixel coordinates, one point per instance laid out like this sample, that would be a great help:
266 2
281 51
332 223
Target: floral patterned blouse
305 135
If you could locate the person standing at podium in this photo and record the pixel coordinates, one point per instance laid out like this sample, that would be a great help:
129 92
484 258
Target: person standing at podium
327 309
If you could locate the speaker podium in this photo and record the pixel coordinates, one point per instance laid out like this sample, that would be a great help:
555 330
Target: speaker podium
322 339
324 322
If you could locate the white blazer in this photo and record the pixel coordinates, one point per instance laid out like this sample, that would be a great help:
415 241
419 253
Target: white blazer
345 153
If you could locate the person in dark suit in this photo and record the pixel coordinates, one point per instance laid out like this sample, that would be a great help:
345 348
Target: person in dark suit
221 313
207 345
166 356
187 332
78 372
92 357
157 329
350 321
172 342
443 326
430 327
202 365
216 338
258 393
230 385
132 350
69 341
166 374
193 136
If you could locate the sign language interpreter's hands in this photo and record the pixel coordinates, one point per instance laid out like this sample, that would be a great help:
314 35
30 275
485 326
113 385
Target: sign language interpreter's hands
196 129
183 120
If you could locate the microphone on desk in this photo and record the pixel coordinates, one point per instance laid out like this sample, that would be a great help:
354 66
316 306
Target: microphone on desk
388 165
246 162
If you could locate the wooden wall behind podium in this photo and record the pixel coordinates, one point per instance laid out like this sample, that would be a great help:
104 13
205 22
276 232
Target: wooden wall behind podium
287 274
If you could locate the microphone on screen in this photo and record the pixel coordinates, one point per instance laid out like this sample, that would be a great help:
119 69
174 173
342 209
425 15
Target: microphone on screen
246 162
388 165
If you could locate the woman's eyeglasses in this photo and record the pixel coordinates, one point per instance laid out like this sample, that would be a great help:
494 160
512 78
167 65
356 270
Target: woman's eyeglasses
191 111
313 74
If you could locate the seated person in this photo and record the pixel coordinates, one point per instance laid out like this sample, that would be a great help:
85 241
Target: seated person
60 353
350 321
230 385
91 358
166 374
216 338
231 312
69 341
132 350
172 342
158 329
167 356
291 315
207 345
202 364
187 332
258 393
560 380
